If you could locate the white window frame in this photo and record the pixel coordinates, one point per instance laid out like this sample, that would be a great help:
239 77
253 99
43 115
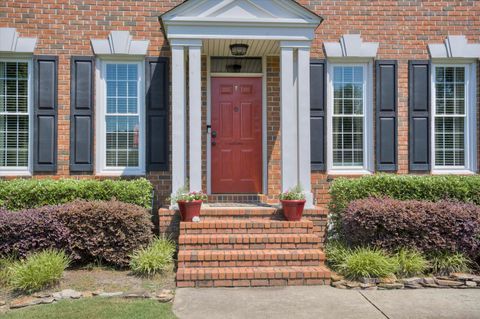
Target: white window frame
368 152
470 166
101 89
22 170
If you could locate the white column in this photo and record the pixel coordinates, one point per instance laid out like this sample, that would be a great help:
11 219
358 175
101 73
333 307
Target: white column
178 117
195 120
288 119
304 159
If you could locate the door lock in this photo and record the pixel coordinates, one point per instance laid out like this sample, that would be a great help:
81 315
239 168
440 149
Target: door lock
214 134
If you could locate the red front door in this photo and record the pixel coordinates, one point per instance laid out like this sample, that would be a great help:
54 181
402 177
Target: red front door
236 135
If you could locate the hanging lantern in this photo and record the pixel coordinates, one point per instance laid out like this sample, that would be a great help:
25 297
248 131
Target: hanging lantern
239 49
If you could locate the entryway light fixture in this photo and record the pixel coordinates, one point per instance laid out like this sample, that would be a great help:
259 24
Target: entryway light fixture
234 68
238 49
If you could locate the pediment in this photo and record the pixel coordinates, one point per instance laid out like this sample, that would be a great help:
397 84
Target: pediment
242 11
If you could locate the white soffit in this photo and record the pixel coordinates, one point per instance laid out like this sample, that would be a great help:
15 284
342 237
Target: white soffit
455 46
351 46
218 47
119 43
240 19
12 43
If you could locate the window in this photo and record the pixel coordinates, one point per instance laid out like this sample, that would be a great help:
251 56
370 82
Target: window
15 96
236 65
452 117
121 123
349 115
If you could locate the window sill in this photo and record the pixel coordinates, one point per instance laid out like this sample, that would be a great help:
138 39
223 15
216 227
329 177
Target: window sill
15 173
337 171
452 171
115 173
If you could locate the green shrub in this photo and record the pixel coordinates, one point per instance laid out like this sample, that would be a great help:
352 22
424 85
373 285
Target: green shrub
444 263
38 270
368 262
5 264
157 257
30 193
402 187
336 253
410 263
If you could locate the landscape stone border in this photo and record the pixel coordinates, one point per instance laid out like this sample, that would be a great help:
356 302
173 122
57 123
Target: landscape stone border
42 298
455 280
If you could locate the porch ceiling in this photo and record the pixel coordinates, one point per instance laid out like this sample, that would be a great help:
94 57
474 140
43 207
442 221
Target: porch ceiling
221 47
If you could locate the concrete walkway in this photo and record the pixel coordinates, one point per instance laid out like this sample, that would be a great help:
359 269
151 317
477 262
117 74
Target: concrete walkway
325 302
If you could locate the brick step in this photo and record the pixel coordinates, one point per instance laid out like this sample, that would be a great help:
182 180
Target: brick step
248 241
253 226
252 276
250 258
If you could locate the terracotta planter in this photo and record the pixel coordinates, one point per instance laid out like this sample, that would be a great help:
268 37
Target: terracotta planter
188 210
293 209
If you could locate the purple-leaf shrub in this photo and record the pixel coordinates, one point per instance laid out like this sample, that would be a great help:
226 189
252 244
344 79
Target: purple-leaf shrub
28 231
105 230
427 226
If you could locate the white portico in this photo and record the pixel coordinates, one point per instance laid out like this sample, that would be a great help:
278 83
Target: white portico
272 27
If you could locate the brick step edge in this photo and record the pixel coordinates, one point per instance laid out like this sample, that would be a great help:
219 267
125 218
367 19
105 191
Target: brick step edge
253 273
252 223
255 276
252 283
251 246
248 239
249 263
251 255
246 227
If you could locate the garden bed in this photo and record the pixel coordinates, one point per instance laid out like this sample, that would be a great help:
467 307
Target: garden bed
455 280
95 282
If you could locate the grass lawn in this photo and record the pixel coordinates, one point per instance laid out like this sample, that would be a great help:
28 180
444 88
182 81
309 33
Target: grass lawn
95 308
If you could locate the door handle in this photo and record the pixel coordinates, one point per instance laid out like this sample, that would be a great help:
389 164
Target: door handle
214 143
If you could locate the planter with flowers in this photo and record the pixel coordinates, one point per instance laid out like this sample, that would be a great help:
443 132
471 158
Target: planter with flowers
293 202
189 204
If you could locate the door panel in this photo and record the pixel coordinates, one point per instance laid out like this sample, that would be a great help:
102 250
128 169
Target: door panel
237 147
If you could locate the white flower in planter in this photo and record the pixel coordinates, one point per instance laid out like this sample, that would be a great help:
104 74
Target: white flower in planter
196 219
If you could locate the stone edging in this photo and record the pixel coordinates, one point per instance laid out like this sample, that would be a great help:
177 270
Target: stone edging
455 280
165 295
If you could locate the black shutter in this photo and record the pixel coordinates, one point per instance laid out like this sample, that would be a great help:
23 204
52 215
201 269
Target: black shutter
81 114
317 113
157 96
45 113
419 113
386 110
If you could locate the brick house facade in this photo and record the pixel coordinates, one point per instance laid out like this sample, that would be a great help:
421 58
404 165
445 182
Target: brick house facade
122 89
403 29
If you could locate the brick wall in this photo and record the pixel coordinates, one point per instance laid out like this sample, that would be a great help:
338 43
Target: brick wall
403 28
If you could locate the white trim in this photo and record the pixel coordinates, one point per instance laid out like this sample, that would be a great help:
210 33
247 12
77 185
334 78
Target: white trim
264 127
288 118
245 19
303 103
24 171
179 141
351 45
101 169
368 151
236 75
195 117
12 43
470 126
119 43
455 46
264 120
